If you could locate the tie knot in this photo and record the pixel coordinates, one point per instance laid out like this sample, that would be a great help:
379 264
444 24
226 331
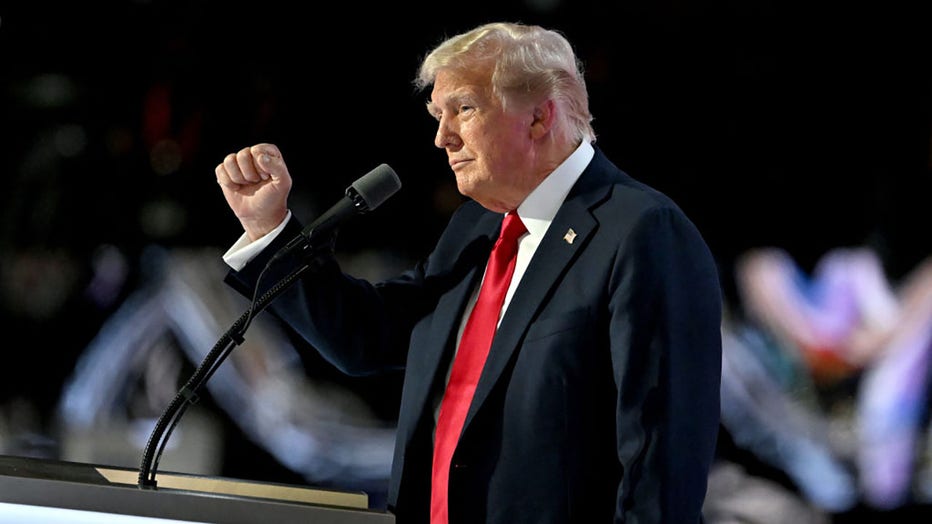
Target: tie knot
512 228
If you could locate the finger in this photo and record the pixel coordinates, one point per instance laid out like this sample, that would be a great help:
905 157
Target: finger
264 147
231 168
223 177
228 172
248 167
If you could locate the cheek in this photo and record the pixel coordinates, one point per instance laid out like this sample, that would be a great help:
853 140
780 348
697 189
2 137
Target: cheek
498 147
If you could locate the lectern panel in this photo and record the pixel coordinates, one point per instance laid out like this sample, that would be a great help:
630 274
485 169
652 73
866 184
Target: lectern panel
83 487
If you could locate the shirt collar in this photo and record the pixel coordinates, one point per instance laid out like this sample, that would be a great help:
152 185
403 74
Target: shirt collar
542 204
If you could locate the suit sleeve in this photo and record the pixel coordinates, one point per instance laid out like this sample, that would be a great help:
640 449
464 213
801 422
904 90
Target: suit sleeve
362 328
665 312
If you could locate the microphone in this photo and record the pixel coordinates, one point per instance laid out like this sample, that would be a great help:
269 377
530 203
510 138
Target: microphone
365 194
362 196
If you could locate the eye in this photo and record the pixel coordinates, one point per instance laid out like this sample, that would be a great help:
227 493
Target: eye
433 110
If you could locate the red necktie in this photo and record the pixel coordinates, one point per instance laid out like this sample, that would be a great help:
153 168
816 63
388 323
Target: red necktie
470 357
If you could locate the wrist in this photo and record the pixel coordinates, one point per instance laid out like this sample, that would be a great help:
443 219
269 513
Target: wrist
256 229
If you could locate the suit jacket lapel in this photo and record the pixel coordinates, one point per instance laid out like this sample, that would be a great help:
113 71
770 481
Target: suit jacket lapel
550 260
434 363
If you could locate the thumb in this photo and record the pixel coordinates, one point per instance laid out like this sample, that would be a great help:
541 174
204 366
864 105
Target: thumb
269 162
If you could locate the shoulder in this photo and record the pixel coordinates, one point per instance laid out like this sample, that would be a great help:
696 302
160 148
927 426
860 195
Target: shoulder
622 195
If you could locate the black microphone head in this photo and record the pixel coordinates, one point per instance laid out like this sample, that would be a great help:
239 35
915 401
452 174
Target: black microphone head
376 186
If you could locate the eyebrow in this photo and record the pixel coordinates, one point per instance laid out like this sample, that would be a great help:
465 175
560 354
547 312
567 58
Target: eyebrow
432 109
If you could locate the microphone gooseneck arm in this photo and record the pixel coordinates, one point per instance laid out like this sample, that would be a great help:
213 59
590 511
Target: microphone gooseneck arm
365 194
188 394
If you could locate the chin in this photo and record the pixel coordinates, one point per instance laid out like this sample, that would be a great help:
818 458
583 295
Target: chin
465 188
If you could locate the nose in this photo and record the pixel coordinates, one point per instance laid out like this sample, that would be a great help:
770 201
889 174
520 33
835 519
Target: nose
446 137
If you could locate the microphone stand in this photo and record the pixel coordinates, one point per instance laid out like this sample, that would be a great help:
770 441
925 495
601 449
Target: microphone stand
187 395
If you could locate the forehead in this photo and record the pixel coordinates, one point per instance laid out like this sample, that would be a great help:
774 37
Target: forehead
454 84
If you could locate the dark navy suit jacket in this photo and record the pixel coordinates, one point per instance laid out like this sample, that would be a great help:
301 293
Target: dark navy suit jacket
600 398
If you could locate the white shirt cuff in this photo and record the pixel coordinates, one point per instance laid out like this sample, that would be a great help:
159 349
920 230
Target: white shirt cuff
243 250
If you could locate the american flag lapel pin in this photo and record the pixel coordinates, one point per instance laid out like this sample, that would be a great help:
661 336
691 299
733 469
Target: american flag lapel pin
570 236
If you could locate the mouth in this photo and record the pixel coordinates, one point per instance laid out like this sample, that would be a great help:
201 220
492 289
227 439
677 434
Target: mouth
455 163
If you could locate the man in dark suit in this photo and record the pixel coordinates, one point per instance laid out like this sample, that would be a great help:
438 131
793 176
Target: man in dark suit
599 398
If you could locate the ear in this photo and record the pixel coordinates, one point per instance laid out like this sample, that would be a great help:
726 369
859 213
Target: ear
544 117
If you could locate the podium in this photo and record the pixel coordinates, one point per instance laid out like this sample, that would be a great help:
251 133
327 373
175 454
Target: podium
61 491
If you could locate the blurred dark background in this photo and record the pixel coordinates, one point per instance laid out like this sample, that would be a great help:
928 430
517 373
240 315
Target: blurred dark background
804 126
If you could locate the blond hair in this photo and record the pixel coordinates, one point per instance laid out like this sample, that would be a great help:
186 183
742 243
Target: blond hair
528 64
